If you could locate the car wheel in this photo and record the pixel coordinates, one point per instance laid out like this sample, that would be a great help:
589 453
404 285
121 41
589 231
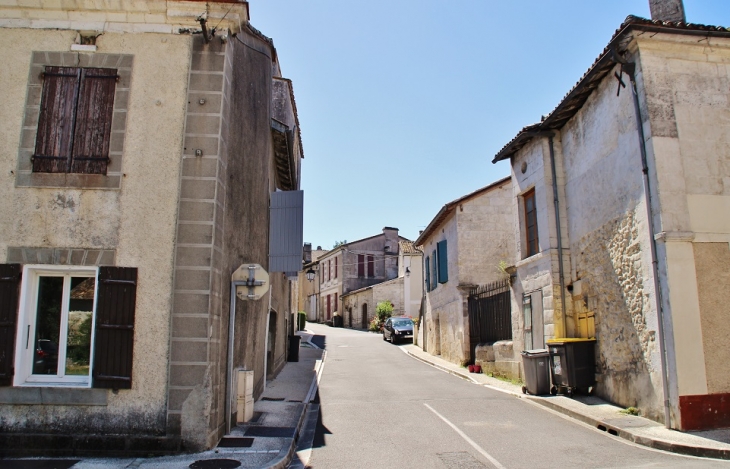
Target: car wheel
393 340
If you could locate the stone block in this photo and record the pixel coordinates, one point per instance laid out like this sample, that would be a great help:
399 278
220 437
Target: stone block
206 82
208 145
197 233
189 327
192 279
189 351
203 124
503 351
196 211
198 189
484 353
176 398
187 375
191 303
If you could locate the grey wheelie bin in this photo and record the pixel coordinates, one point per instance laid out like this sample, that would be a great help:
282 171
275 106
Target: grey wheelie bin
537 371
572 365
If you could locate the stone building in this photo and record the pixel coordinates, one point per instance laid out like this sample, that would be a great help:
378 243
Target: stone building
463 247
144 143
355 265
403 292
308 292
622 202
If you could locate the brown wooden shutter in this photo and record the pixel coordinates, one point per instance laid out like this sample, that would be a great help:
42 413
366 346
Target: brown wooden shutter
371 266
54 138
360 265
114 339
94 114
9 294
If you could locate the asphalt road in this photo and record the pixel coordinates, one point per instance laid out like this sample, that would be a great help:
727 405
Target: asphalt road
381 408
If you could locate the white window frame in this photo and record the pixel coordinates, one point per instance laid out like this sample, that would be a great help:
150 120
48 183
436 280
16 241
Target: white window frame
25 334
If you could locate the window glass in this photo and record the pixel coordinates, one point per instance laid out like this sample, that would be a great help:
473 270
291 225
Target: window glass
48 325
81 312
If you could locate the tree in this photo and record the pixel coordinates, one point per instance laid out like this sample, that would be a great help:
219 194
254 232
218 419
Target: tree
339 243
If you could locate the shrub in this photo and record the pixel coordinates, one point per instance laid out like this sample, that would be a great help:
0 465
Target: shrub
374 325
301 320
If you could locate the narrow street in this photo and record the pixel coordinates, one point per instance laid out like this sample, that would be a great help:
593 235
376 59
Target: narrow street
382 408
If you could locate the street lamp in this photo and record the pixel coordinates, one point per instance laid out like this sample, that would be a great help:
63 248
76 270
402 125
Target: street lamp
310 274
408 271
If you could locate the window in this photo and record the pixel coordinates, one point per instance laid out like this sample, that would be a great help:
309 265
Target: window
443 267
335 267
434 270
336 303
427 269
360 265
329 307
371 266
530 224
74 125
75 326
329 270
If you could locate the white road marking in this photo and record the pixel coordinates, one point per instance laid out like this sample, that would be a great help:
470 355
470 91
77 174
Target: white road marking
467 439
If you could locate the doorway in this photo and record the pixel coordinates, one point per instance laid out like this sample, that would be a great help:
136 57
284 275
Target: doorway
364 315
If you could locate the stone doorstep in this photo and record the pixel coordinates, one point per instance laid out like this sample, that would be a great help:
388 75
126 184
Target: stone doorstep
53 445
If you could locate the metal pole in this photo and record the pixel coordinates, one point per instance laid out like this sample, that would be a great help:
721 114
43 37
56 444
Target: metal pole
231 331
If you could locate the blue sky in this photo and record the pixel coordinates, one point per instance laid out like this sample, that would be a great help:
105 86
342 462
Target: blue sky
404 103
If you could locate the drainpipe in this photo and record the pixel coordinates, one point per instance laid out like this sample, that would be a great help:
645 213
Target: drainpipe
630 69
560 237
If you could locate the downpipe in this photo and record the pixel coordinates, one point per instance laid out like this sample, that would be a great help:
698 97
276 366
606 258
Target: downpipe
630 69
556 202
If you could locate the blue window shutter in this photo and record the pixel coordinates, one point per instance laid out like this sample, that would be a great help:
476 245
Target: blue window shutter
443 262
286 231
428 274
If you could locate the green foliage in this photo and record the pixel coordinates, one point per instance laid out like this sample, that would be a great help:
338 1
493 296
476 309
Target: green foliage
384 310
339 243
374 325
301 320
630 411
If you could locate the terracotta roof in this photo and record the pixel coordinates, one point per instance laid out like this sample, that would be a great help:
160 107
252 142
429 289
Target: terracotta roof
408 247
574 100
449 207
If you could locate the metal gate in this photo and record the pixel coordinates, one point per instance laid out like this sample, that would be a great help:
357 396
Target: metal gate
490 314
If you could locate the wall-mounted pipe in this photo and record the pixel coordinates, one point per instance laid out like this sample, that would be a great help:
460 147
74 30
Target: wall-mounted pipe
560 237
630 69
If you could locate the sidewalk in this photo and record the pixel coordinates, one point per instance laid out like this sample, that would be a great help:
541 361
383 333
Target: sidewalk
268 441
600 414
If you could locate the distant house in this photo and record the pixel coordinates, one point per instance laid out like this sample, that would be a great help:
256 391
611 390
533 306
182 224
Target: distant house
622 203
463 247
355 265
403 292
145 162
308 290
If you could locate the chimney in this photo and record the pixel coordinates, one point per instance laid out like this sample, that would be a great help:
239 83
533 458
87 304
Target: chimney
667 10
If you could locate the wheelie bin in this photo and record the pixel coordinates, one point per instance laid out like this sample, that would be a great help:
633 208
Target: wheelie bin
536 364
572 365
294 348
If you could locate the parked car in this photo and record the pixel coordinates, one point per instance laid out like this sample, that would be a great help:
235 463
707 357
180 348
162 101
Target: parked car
397 328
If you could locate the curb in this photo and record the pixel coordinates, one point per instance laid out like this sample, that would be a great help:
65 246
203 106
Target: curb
678 448
285 460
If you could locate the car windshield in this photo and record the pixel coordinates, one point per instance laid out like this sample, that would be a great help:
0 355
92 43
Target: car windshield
403 323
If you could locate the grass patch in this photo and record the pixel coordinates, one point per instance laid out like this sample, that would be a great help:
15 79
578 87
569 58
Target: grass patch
516 382
630 411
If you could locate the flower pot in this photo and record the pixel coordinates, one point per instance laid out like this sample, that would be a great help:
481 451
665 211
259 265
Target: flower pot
477 368
471 368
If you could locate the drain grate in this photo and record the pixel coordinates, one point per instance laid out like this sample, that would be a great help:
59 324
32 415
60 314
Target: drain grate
37 464
460 460
235 442
271 432
215 464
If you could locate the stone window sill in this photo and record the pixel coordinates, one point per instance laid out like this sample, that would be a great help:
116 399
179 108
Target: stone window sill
53 396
